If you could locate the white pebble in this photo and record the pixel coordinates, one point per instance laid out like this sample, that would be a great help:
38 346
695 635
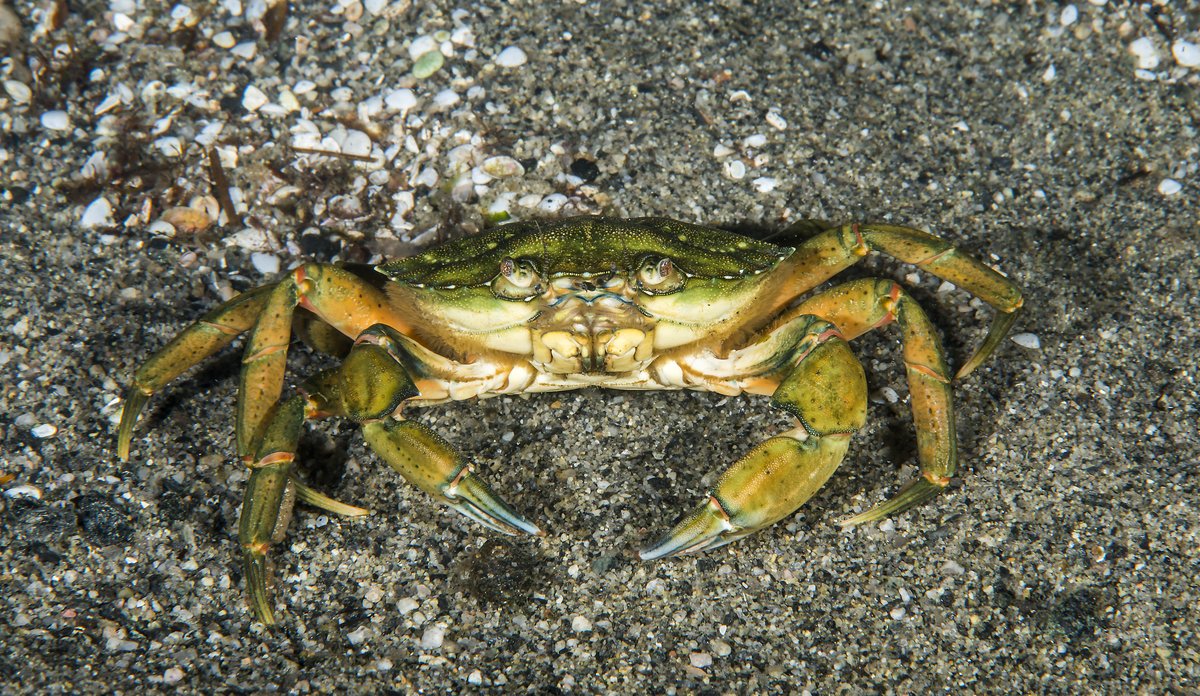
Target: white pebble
266 264
224 40
446 98
250 239
720 647
720 151
23 491
253 99
357 636
1027 340
502 167
512 57
56 120
776 121
552 203
44 431
19 91
433 637
246 50
756 140
1144 51
580 624
422 45
357 144
1186 54
406 605
735 169
172 675
1069 15
952 568
1050 74
401 100
304 87
99 213
375 6
475 678
169 146
1169 187
764 184
898 613
700 660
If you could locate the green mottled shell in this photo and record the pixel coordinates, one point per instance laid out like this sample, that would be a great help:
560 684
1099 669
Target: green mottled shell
587 246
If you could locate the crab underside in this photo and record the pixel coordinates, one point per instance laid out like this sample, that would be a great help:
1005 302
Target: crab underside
625 304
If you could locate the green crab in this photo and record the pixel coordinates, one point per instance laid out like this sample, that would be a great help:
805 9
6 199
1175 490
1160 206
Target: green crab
645 303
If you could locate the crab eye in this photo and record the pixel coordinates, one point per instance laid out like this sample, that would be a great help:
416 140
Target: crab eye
518 280
659 277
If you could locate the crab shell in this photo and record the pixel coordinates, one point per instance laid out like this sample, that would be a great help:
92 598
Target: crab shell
646 303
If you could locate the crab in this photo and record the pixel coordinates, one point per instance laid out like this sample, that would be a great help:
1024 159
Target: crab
648 303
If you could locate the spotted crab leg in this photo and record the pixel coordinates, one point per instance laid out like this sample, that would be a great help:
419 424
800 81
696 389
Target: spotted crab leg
862 305
835 248
826 391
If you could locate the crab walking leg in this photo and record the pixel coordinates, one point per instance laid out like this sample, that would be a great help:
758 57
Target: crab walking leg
369 388
862 305
826 391
837 248
267 505
206 336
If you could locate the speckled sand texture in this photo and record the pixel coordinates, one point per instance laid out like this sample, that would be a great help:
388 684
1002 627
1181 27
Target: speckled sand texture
1057 142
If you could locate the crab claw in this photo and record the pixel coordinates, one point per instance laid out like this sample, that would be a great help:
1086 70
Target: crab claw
768 484
428 462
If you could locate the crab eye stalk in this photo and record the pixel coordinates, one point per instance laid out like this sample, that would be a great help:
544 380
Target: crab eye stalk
658 276
518 280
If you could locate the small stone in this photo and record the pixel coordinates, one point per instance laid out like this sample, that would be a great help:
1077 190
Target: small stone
502 167
552 203
475 678
776 121
357 636
44 431
357 144
18 91
1050 74
764 184
253 99
446 99
428 64
1169 187
898 613
512 57
735 169
1186 54
422 45
224 40
407 605
1145 53
172 675
720 648
56 120
375 6
245 50
952 568
1068 16
266 264
700 660
1027 340
99 213
402 100
433 637
756 140
580 624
